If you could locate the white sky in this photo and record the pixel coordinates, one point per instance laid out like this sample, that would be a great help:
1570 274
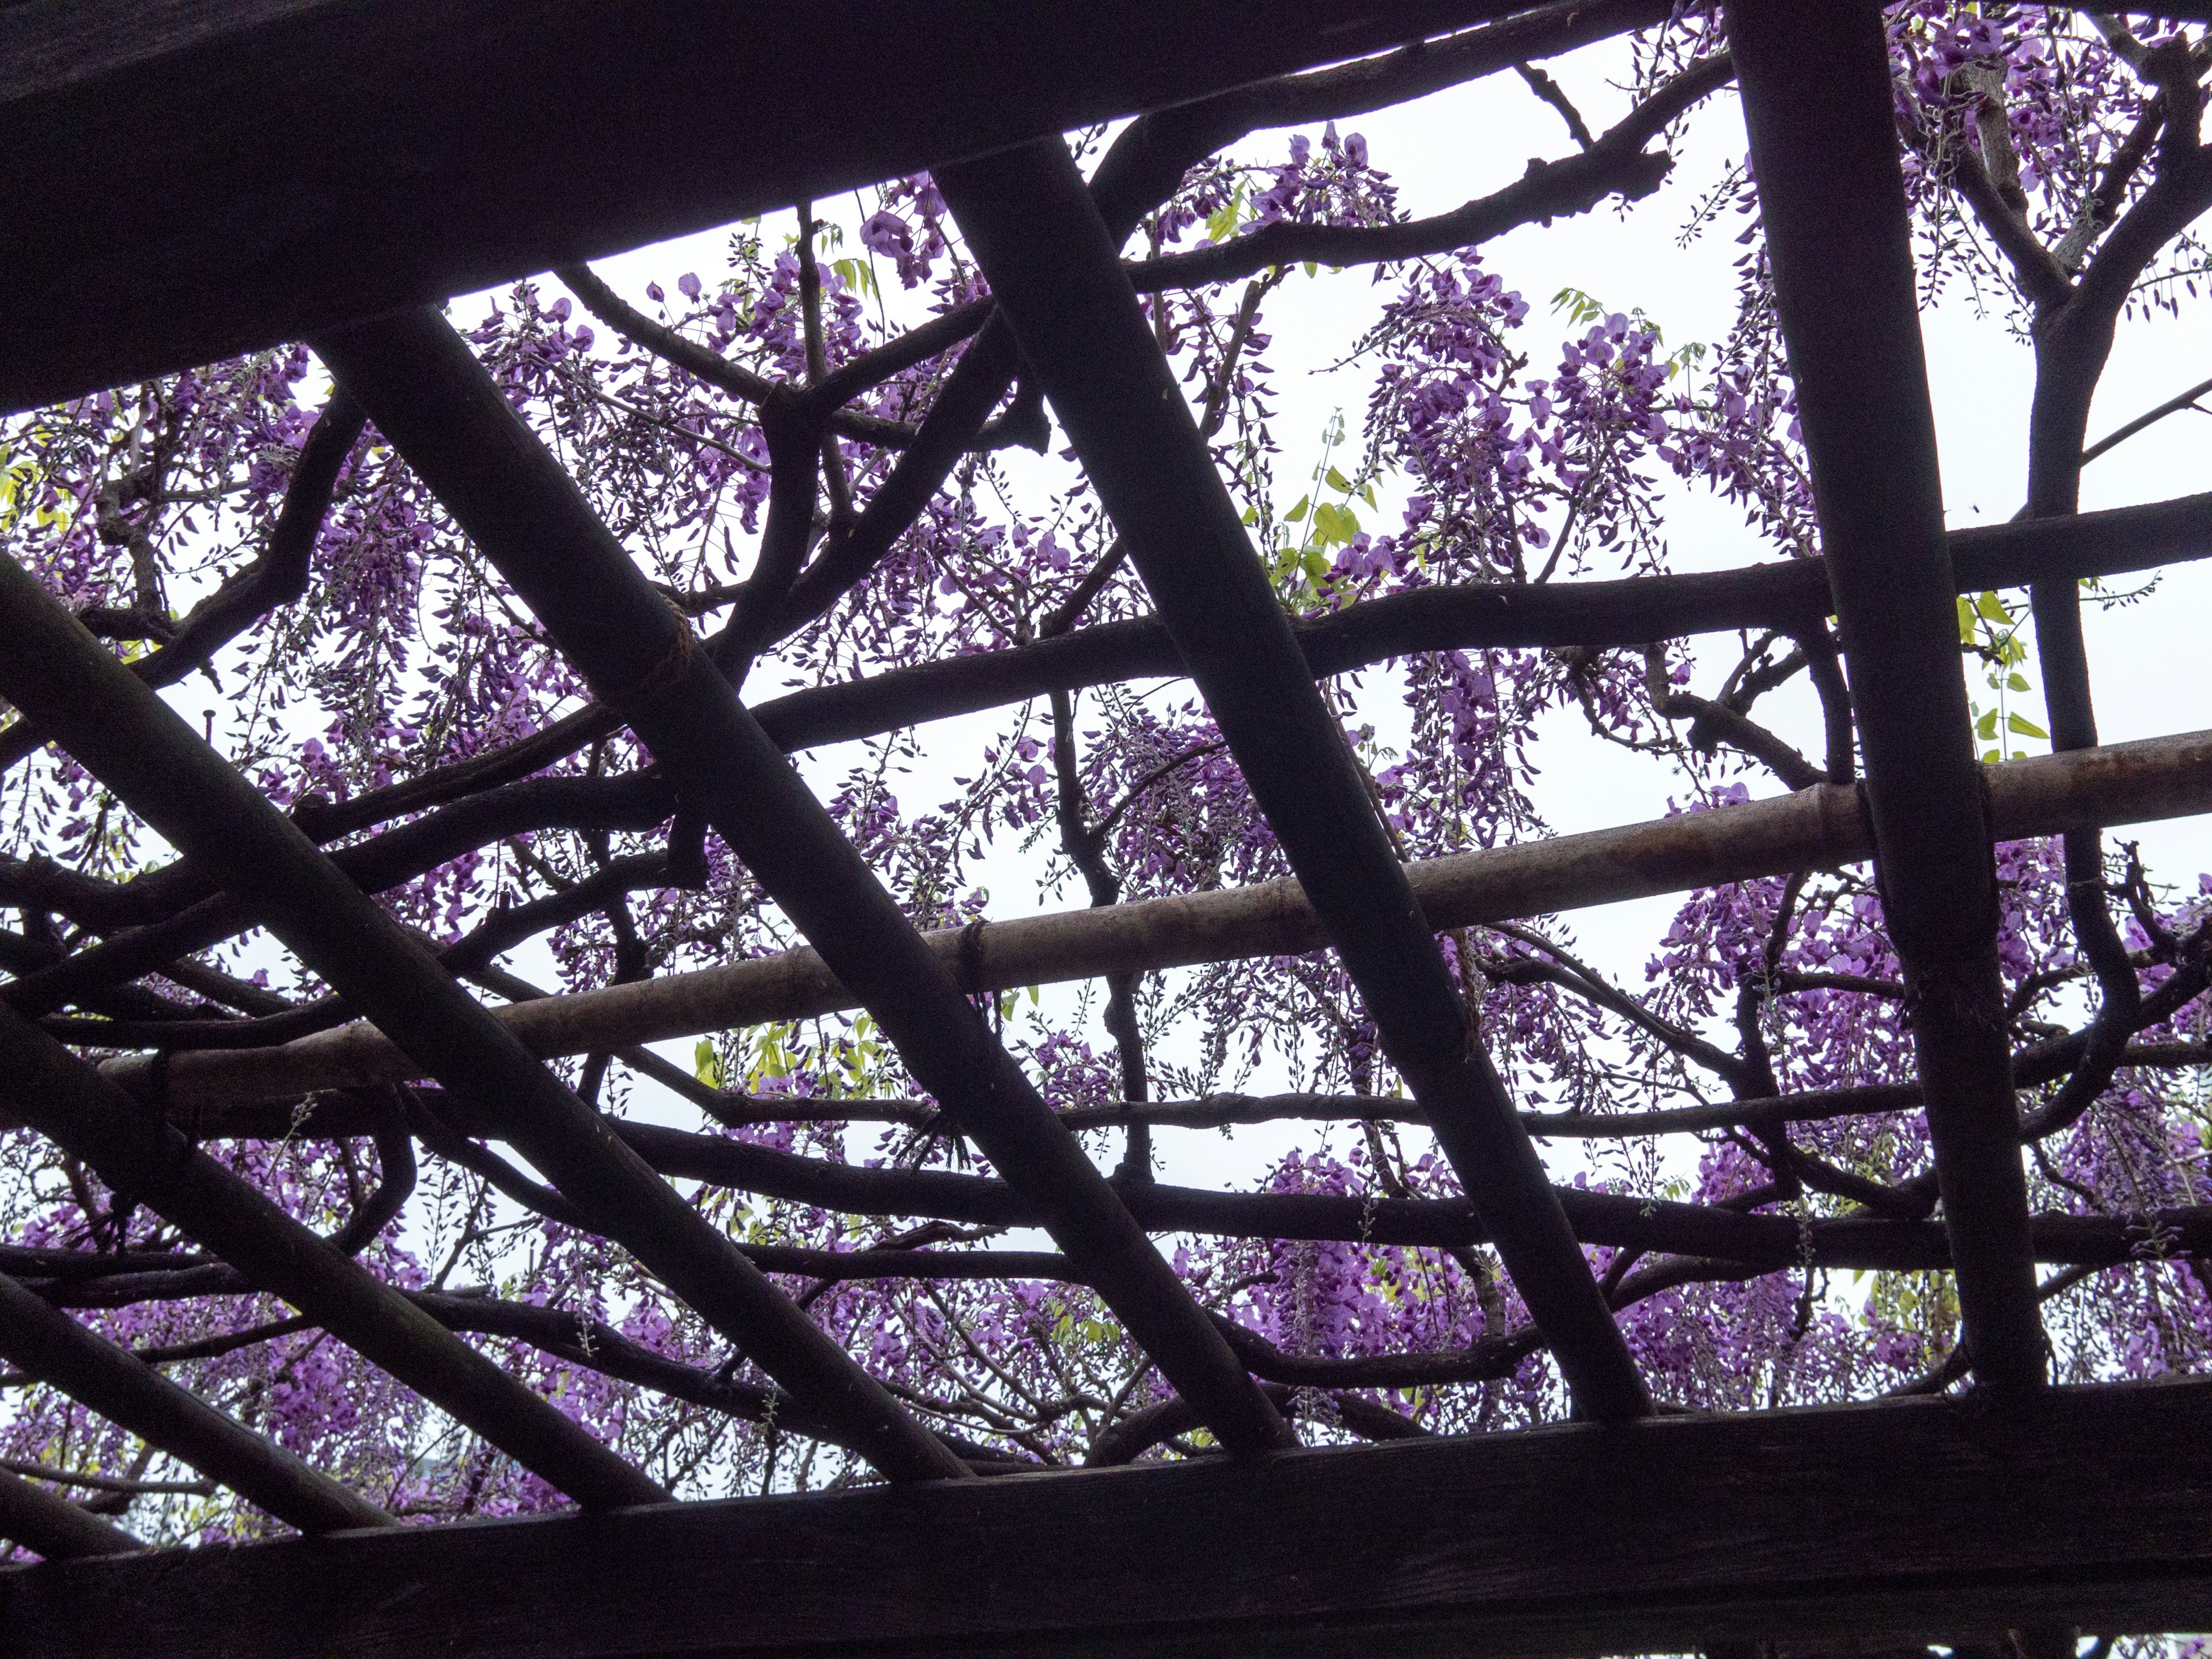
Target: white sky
1464 143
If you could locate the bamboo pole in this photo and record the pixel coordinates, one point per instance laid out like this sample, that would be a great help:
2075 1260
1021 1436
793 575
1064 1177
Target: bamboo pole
1822 827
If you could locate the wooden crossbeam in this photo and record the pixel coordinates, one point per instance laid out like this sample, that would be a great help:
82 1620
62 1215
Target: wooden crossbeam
203 181
1036 233
43 1085
45 1522
1768 1242
1814 829
1789 596
441 409
121 1386
1926 1520
62 676
1824 152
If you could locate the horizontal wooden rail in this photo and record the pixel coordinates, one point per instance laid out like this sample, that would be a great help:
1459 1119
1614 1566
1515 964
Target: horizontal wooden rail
1821 827
1926 1520
1780 594
269 169
1785 594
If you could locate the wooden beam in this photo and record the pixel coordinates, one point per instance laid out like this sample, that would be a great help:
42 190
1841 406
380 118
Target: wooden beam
120 731
1037 234
1787 595
1922 1520
42 1520
199 181
1817 103
441 409
121 1386
1819 828
43 1085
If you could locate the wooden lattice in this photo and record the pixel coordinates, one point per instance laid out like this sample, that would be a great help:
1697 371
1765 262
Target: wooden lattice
385 157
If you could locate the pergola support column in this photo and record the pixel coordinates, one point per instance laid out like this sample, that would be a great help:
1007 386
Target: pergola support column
1035 230
1818 104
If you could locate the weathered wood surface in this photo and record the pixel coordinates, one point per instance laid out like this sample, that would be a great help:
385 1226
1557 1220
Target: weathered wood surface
1820 108
2121 783
1928 1518
194 181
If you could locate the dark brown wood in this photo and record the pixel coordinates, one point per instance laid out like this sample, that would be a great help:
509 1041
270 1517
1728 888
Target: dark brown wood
109 720
122 1387
1927 1519
441 409
1766 1242
1036 232
199 181
1596 615
1817 101
134 1151
40 1519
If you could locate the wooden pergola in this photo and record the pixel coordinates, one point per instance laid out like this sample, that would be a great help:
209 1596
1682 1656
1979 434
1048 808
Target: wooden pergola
268 171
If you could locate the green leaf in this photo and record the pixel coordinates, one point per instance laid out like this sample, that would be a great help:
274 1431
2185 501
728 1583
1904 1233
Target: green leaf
1338 483
1223 224
2026 728
1986 728
1250 515
1966 620
1992 610
1334 524
707 1065
1297 511
1316 566
2017 683
856 275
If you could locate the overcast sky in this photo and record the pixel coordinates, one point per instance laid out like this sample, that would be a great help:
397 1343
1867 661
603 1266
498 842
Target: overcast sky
1464 143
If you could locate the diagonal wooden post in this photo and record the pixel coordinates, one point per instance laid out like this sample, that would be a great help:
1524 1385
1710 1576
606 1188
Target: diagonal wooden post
433 400
59 675
1036 231
1818 103
121 1386
136 1151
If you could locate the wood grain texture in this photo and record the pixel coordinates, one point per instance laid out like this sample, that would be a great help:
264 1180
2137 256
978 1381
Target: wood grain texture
196 181
1818 110
2121 783
1930 1518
